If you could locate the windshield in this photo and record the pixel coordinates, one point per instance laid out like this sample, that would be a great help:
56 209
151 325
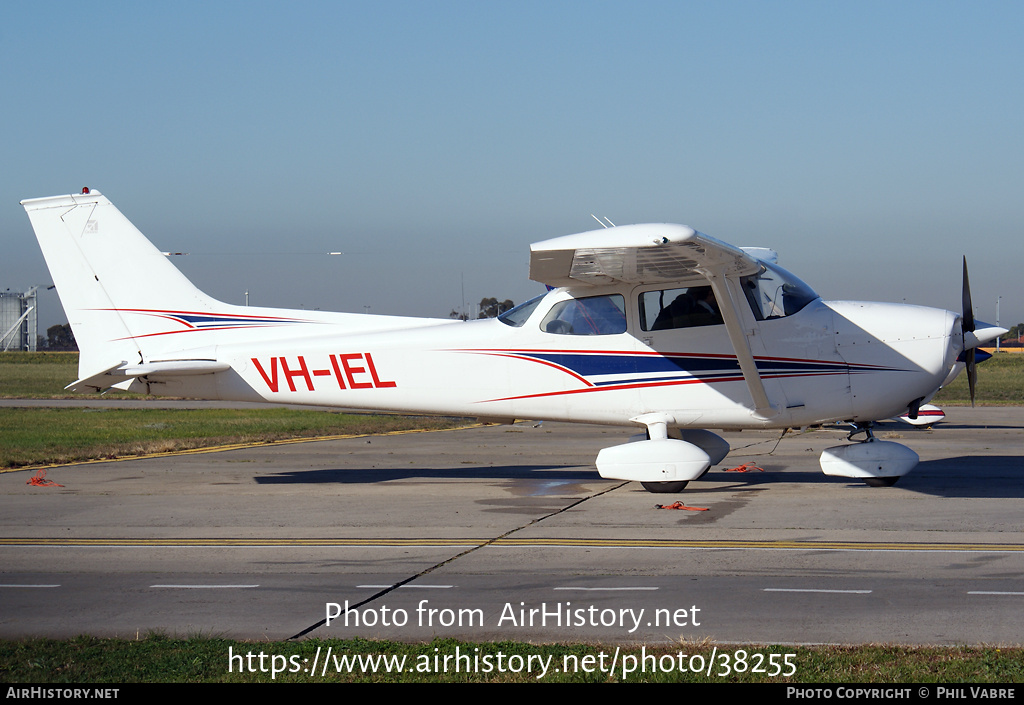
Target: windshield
774 293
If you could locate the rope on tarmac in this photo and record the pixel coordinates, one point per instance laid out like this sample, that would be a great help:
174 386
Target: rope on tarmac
680 505
746 467
39 480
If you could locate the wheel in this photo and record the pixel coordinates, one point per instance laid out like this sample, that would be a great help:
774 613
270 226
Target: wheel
664 487
880 481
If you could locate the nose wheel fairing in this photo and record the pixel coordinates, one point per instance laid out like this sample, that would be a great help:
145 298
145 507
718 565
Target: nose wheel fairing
877 463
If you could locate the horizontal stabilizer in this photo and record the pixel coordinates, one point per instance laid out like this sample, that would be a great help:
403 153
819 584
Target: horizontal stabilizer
122 372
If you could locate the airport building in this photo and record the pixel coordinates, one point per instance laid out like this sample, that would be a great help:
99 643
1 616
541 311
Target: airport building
18 320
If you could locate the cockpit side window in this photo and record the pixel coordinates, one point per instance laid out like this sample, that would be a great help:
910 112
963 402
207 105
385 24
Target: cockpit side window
592 315
775 293
679 308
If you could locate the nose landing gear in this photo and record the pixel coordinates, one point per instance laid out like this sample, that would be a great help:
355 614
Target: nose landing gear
877 463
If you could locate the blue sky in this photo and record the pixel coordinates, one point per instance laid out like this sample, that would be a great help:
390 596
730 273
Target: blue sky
871 144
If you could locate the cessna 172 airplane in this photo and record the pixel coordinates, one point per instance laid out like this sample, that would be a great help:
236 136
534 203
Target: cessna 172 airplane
656 326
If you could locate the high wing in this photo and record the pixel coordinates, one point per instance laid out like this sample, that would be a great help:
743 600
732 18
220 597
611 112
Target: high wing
653 253
658 253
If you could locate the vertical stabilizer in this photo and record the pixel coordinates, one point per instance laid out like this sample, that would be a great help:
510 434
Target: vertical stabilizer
105 271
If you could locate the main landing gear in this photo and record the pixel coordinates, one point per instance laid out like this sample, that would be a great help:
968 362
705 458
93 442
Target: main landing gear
665 487
662 462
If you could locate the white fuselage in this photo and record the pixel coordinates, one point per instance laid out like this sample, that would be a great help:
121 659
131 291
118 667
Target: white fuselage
831 361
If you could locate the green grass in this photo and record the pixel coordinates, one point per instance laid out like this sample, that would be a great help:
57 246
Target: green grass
37 375
1000 382
43 436
43 375
163 660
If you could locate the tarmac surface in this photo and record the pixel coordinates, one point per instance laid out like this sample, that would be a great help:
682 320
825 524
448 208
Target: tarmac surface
508 532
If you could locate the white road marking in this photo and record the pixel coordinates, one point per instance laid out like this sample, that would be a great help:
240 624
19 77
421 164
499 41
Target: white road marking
841 592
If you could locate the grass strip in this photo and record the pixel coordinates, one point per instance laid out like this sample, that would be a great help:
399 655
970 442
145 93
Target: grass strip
1000 383
41 375
47 436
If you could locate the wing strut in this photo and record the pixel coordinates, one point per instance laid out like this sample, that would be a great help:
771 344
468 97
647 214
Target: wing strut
730 314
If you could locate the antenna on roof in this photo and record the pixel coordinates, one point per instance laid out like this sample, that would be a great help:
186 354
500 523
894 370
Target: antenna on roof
602 222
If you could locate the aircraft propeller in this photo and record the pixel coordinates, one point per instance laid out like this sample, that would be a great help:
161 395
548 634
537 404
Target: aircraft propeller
967 326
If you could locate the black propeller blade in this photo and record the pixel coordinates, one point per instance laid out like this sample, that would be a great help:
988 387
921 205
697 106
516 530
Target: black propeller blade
967 326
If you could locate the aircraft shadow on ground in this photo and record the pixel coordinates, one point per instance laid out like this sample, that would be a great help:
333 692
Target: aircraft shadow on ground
988 476
960 477
946 426
542 473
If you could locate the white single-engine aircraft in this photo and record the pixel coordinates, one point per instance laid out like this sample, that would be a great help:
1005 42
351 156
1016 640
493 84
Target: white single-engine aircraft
655 326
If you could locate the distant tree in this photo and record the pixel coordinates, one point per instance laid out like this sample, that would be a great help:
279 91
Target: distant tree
1013 336
60 337
457 315
492 308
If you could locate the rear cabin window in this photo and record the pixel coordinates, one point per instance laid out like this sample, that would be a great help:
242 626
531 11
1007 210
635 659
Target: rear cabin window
517 316
593 315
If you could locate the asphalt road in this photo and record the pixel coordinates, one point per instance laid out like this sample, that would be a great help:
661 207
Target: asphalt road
509 533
